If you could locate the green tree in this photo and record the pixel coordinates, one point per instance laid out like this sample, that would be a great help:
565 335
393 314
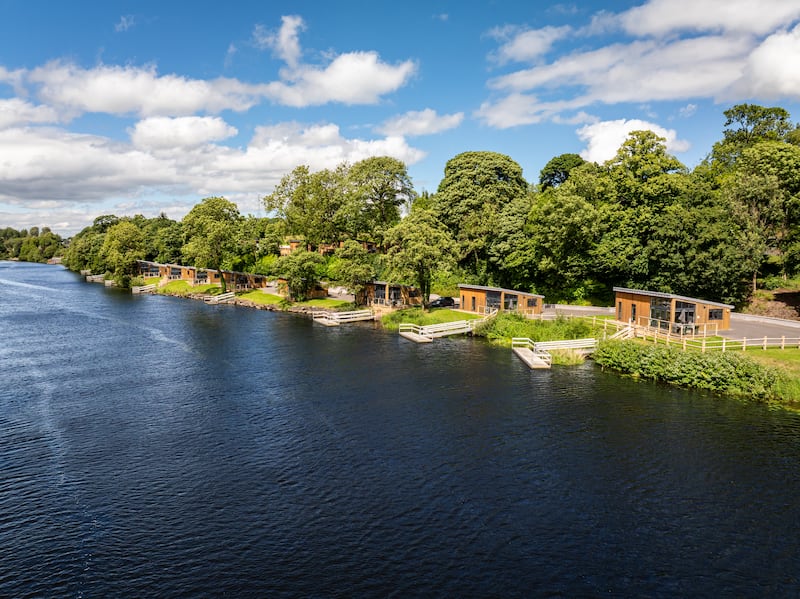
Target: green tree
353 266
475 189
418 246
300 269
557 170
123 245
210 230
380 186
313 205
745 126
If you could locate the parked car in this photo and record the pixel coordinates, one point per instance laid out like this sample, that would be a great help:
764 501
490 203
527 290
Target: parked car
442 302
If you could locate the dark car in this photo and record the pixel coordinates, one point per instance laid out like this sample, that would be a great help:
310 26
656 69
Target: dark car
442 302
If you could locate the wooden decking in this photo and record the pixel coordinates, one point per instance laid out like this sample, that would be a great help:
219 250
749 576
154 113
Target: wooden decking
537 354
334 319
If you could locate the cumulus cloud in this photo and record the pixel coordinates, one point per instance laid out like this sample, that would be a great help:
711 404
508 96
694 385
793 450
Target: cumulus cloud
168 157
15 111
420 122
353 78
176 134
772 70
137 90
605 137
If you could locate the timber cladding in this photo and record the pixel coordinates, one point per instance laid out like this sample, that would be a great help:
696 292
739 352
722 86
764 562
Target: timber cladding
675 313
480 299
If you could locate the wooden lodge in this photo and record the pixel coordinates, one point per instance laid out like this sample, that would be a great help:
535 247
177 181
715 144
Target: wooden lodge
235 281
382 293
670 312
483 300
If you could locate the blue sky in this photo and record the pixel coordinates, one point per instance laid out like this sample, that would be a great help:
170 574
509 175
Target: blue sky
142 107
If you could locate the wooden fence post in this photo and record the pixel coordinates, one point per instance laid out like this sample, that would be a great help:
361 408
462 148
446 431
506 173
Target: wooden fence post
723 345
783 341
704 346
765 343
744 343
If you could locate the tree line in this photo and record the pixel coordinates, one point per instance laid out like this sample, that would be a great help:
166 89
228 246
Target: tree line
641 219
30 245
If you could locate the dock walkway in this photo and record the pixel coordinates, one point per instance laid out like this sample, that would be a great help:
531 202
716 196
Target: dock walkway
334 319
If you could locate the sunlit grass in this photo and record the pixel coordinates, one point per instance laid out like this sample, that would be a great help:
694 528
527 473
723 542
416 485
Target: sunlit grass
183 288
422 317
333 304
259 297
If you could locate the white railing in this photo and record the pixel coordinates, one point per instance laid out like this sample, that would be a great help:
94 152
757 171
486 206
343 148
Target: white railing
704 344
221 298
143 288
587 343
521 344
341 317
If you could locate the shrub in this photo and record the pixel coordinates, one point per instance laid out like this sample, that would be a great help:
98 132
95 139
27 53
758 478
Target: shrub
730 373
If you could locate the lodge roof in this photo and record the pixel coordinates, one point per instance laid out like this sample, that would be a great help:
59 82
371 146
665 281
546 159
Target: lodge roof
671 296
485 288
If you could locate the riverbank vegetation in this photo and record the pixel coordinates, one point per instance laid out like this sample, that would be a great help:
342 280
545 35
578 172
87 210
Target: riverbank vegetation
30 245
731 373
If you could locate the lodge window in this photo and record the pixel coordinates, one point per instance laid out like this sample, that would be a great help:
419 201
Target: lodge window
493 300
510 301
715 314
531 302
660 309
684 312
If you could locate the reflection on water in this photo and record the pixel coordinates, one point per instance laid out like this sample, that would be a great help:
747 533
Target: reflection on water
152 446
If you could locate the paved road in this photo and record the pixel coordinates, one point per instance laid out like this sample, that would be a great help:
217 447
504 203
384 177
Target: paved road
753 327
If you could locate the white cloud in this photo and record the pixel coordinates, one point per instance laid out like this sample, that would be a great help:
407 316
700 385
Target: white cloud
420 122
666 17
14 112
772 70
125 23
176 134
137 90
677 50
285 42
688 110
605 138
353 78
526 45
53 171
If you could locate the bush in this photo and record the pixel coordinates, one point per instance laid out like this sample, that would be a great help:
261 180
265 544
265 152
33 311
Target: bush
730 373
506 325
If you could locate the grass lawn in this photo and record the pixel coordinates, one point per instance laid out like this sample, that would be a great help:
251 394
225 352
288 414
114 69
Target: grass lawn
423 317
259 297
183 288
333 304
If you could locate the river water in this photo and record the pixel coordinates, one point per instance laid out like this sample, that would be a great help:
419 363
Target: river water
158 447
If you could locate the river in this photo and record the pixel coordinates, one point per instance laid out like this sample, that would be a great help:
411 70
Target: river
159 447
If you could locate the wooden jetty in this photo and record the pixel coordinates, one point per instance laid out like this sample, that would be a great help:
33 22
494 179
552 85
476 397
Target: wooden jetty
537 354
222 298
334 319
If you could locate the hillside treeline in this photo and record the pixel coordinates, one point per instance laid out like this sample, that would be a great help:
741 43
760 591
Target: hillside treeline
641 219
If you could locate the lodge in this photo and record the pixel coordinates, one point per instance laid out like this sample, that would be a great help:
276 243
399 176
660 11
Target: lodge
382 293
670 312
483 300
236 281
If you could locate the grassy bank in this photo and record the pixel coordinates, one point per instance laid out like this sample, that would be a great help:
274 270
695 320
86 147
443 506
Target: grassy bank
421 317
736 374
507 325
